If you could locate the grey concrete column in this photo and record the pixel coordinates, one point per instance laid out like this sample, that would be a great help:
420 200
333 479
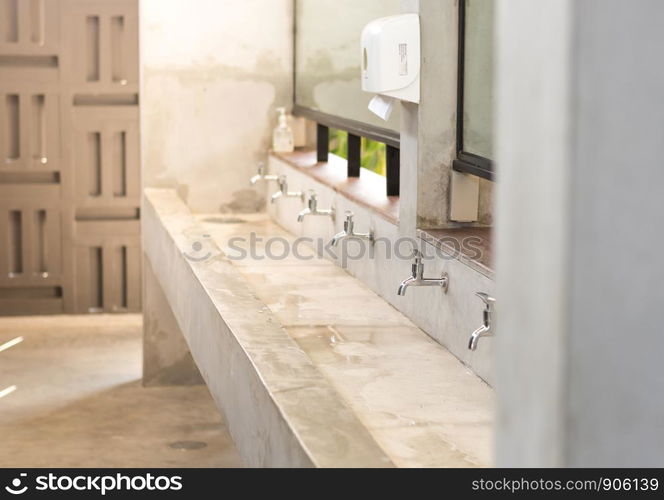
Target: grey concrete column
166 356
580 229
428 131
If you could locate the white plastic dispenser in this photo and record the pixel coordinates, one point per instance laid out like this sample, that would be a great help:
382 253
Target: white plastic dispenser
391 61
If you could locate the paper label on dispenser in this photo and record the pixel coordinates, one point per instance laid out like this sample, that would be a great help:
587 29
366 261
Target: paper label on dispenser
403 59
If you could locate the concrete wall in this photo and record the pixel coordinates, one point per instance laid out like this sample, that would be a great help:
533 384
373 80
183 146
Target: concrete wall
212 73
449 318
580 212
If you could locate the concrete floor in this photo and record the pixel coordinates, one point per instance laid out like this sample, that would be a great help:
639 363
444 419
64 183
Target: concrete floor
79 401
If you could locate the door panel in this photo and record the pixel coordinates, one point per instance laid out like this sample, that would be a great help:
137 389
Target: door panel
69 156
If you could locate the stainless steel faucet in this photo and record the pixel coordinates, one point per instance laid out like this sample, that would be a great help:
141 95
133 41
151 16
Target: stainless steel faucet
284 192
312 209
417 277
486 329
262 176
349 231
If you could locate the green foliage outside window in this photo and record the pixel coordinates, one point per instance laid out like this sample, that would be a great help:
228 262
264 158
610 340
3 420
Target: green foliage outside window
372 157
339 142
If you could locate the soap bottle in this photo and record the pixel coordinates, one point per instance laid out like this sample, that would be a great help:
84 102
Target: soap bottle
282 138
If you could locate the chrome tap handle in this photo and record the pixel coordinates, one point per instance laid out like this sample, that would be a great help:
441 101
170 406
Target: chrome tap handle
418 266
313 201
489 303
348 223
282 182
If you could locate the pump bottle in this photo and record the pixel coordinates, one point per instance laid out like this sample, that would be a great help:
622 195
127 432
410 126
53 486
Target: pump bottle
282 138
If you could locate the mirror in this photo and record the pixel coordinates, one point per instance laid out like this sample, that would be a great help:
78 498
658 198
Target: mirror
478 78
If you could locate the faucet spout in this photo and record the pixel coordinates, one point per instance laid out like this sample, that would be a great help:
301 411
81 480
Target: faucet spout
303 214
337 238
404 286
486 330
482 331
276 196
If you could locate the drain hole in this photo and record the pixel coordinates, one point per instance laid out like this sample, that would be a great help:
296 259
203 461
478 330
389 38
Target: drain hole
224 220
188 445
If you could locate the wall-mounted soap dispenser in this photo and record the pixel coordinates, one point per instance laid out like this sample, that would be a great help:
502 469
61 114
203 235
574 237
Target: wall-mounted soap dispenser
391 61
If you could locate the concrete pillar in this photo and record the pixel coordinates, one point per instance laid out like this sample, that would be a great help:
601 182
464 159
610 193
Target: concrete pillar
166 356
580 212
428 131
